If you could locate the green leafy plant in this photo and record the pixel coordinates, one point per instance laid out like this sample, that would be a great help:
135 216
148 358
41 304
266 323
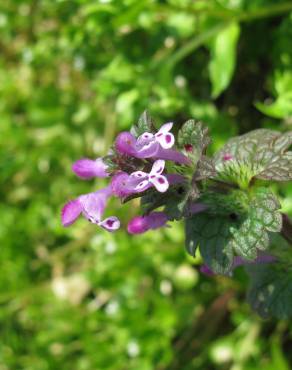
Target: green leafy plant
229 209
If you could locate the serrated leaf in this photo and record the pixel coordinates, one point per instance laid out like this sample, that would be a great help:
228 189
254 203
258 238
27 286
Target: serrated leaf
245 148
223 58
194 137
194 134
258 154
145 124
205 169
270 292
279 169
213 237
263 216
233 222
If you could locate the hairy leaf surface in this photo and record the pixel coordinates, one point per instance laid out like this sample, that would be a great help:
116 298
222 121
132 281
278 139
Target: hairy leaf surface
145 124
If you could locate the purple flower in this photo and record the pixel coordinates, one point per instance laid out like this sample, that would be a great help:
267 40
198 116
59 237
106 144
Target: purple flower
148 147
126 144
155 178
204 269
123 185
92 207
141 224
88 168
172 155
163 137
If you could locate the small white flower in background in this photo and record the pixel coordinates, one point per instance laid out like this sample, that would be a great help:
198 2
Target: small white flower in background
133 349
180 81
72 288
111 247
112 308
165 287
169 42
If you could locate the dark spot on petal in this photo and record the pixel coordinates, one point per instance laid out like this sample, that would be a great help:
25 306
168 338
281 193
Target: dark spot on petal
161 180
110 223
168 138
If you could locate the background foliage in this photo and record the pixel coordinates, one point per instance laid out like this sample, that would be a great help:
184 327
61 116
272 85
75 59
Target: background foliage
73 74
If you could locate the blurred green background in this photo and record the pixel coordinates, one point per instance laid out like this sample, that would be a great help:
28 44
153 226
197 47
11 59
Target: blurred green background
72 75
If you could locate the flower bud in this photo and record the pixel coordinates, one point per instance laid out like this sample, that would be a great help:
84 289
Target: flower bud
125 143
141 224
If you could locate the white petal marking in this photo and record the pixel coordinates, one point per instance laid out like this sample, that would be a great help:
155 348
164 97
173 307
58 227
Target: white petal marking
111 223
139 174
157 167
165 128
142 185
160 182
166 140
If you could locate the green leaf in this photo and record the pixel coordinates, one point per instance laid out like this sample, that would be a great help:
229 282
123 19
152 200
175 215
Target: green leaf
212 236
260 154
223 58
280 108
145 124
282 105
270 292
205 169
263 216
193 133
233 223
245 148
279 167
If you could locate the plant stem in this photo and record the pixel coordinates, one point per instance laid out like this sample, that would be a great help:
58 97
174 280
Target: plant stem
226 17
267 12
286 231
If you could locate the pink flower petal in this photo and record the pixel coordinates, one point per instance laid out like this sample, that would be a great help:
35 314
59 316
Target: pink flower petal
71 212
88 168
148 150
141 224
125 143
94 204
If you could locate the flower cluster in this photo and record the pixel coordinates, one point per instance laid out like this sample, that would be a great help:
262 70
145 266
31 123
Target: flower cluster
137 164
230 212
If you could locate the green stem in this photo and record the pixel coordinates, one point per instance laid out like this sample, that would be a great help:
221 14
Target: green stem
194 44
227 17
233 15
271 11
286 231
